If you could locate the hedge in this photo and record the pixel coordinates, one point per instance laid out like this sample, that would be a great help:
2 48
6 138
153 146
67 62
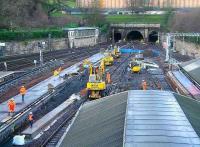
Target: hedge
26 35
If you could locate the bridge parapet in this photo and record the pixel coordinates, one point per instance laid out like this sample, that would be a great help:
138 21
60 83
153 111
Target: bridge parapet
135 25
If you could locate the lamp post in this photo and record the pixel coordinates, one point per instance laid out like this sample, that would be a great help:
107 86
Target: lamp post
40 46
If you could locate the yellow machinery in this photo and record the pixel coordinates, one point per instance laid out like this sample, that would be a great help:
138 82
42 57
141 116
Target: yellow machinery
116 53
108 59
135 67
136 64
96 85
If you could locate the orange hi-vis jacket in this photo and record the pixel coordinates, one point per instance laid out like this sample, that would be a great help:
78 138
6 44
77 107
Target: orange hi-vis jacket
30 117
22 90
11 106
108 78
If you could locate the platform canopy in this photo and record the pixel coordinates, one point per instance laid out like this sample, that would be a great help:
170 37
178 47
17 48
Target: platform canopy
132 119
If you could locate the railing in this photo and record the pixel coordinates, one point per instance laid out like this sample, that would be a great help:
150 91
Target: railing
136 25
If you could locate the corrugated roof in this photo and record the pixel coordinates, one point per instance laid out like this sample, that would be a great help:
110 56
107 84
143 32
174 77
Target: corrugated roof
192 68
155 119
98 123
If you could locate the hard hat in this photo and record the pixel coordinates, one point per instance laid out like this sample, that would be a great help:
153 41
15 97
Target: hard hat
12 99
30 112
143 80
22 86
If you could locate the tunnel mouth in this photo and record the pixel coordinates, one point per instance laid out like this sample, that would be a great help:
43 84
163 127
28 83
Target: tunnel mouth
153 36
117 36
134 35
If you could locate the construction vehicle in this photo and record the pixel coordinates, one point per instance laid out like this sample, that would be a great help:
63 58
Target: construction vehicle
116 53
136 63
108 59
96 86
135 67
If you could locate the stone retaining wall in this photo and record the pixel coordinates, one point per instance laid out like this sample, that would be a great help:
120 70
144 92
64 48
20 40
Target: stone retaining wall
27 47
31 46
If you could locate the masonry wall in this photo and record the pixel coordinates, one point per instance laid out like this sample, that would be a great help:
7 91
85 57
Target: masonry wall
27 47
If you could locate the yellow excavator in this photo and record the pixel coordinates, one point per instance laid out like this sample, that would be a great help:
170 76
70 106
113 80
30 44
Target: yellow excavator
96 86
135 67
108 59
136 63
116 53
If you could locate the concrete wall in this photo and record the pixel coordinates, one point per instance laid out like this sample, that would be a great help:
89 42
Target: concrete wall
27 47
187 48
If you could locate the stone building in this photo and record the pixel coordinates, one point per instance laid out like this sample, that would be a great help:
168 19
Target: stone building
116 4
82 36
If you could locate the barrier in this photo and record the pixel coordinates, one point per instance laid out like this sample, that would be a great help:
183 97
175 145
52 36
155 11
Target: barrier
135 51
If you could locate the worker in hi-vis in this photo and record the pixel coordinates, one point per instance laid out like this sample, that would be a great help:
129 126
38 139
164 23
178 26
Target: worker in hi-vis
108 77
30 119
22 91
11 106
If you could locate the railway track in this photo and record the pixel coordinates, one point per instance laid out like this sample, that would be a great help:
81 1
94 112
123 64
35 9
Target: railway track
25 61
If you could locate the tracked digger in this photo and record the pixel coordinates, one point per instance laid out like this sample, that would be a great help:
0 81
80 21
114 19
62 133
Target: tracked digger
116 53
96 85
108 59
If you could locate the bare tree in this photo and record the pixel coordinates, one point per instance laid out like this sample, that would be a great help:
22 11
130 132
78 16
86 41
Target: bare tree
93 14
186 22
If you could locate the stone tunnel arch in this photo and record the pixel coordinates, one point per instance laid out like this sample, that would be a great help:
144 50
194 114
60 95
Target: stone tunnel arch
134 35
153 36
117 36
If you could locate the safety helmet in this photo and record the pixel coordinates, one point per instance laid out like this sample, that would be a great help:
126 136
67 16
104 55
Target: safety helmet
22 86
30 113
143 80
12 99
